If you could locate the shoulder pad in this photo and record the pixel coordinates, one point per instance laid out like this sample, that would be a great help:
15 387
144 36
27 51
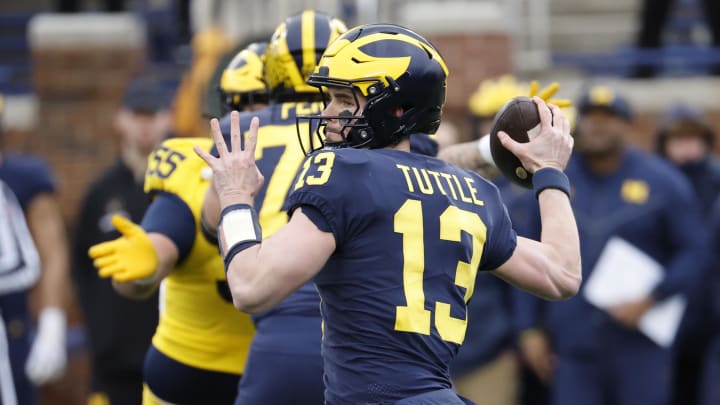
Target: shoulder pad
173 166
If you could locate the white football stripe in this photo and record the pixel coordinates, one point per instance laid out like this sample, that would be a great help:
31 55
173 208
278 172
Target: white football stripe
534 132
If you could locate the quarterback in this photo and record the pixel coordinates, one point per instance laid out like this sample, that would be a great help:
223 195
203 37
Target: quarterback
393 249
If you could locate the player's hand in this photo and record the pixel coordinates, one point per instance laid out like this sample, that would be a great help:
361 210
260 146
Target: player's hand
547 93
629 313
235 176
131 257
551 147
47 359
535 350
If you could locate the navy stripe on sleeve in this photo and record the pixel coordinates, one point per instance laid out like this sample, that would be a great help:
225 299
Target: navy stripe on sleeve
169 215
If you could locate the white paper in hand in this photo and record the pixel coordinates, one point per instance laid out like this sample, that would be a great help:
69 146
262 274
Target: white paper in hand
624 273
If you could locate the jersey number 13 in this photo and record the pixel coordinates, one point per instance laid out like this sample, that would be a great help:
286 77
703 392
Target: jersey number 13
413 317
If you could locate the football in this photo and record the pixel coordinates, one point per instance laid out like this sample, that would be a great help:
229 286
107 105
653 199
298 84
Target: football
518 118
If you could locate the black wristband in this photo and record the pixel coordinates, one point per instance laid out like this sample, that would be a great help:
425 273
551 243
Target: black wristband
550 178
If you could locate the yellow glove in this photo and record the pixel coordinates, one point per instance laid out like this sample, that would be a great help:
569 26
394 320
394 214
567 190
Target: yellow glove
548 92
131 257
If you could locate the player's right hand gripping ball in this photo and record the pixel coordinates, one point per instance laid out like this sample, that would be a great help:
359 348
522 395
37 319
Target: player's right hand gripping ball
518 118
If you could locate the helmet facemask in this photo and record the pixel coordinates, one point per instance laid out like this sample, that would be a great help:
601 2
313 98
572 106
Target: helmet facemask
374 126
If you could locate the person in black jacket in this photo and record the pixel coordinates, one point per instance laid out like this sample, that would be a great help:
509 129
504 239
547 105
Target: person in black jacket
119 330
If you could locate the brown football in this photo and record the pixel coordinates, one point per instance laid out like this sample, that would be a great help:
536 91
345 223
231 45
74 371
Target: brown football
517 117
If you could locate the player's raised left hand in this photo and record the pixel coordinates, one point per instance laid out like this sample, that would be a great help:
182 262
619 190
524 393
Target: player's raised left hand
235 176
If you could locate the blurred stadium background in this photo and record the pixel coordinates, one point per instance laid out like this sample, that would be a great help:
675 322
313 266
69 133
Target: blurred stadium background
62 75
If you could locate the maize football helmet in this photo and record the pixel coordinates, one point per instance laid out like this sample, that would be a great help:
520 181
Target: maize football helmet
394 68
293 52
242 83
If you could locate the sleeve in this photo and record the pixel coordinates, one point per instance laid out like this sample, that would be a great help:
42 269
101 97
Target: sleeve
501 238
689 239
43 177
170 216
316 217
37 178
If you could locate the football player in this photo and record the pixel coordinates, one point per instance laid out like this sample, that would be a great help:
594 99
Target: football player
286 346
201 344
394 239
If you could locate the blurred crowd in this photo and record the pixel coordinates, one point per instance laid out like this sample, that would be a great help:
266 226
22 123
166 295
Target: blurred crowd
664 202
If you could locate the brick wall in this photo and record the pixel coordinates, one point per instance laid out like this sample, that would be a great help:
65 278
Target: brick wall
78 92
471 58
81 65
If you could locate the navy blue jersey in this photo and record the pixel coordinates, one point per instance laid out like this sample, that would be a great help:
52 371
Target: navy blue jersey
411 233
27 176
278 156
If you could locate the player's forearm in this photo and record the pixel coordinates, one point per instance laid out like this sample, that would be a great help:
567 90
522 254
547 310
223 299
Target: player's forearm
134 291
561 242
264 274
48 232
211 209
245 273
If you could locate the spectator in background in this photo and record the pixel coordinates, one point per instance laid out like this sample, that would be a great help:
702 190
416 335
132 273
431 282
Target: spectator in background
710 389
32 182
619 192
119 330
653 18
687 141
19 270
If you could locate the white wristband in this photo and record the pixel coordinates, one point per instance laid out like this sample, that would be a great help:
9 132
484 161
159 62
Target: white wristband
52 322
483 145
238 224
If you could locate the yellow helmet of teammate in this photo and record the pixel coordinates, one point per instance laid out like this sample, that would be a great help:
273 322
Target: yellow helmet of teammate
242 83
492 94
293 52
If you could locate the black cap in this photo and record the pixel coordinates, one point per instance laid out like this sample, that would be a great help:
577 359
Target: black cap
146 95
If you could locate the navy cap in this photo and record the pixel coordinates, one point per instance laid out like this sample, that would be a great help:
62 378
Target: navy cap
146 95
605 98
